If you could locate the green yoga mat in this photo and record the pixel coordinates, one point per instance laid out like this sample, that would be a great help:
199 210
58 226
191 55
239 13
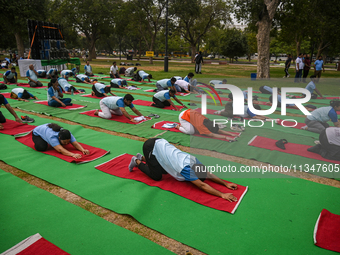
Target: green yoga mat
27 210
286 207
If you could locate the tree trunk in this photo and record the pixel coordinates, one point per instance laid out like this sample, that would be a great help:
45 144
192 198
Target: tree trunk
139 50
263 47
193 52
249 57
298 48
319 50
92 49
20 45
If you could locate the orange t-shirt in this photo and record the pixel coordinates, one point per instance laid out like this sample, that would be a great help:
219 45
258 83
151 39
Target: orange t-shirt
196 119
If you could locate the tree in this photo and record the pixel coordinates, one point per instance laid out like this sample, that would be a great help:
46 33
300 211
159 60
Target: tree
234 43
213 42
252 43
195 18
92 18
17 12
261 13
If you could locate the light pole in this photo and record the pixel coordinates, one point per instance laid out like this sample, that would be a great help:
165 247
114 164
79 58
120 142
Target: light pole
166 58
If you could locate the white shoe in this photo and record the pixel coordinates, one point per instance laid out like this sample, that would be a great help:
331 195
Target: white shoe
317 142
305 127
288 76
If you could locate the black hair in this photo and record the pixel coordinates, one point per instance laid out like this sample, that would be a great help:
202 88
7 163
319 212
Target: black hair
201 171
224 81
173 79
124 82
114 63
64 134
13 68
150 76
191 74
200 52
271 99
257 107
25 94
312 76
129 97
95 80
210 125
135 68
230 96
279 90
334 103
172 91
53 80
107 89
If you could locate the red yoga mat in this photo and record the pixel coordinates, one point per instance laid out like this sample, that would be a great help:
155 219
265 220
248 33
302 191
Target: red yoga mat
291 148
148 103
121 118
222 98
291 124
327 231
36 245
95 153
6 83
159 125
319 97
28 86
12 127
68 107
8 95
119 167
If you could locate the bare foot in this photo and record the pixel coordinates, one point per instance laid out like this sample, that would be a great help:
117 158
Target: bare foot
96 112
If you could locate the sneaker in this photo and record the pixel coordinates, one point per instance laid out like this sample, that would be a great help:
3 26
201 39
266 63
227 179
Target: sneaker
317 142
284 76
288 76
304 127
27 119
139 156
132 163
236 128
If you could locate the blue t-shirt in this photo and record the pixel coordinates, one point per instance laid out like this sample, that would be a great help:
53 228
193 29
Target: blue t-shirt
310 87
250 114
10 75
51 92
82 77
41 71
143 74
32 75
88 68
168 83
52 70
48 135
318 65
100 87
269 89
324 114
120 103
5 101
187 79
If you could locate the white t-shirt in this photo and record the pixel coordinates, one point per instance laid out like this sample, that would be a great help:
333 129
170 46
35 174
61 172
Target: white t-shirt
333 135
183 84
114 70
299 61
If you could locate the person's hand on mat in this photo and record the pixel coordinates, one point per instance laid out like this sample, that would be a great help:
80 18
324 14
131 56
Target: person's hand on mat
1 126
86 152
17 119
178 126
230 139
229 196
185 106
232 186
134 121
76 155
63 105
8 83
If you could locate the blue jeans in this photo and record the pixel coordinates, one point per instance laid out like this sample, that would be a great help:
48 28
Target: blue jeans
54 103
178 88
298 75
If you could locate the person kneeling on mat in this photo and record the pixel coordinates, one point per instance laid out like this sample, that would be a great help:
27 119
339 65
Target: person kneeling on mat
116 105
55 95
163 98
55 136
329 144
32 77
67 87
118 83
10 76
82 78
100 89
66 74
311 87
192 121
317 121
4 101
161 157
21 94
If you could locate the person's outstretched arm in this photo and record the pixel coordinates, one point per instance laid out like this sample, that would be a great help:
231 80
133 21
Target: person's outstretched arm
179 101
59 148
136 111
125 113
10 109
218 180
208 189
80 148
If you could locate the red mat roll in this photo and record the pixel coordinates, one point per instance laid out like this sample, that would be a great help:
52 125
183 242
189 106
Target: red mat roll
95 153
148 103
291 148
327 231
7 95
35 245
68 107
119 167
121 118
28 86
12 127
159 125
